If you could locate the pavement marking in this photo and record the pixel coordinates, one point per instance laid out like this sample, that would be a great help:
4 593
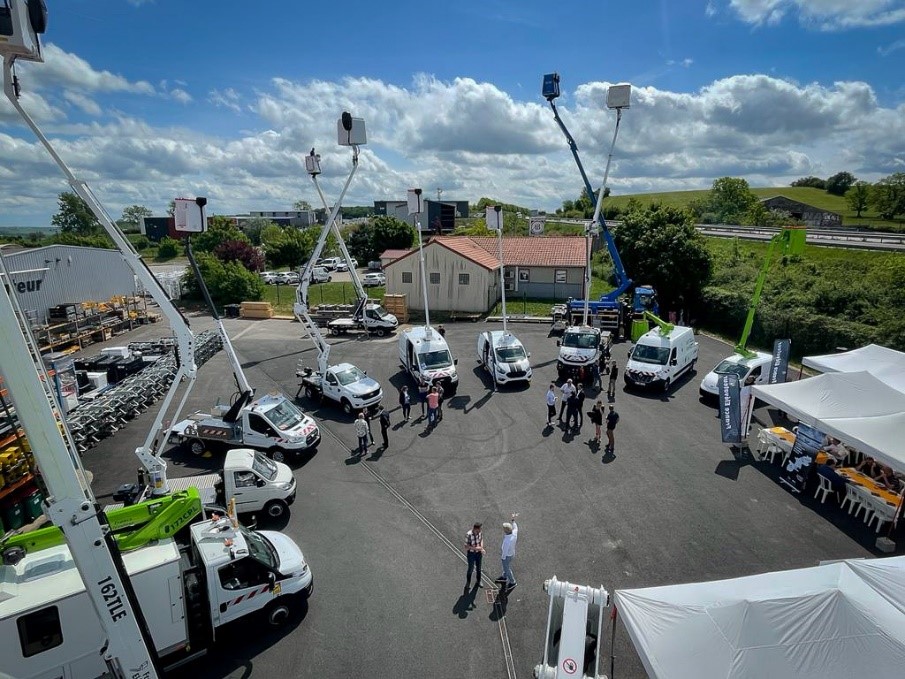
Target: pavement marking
501 618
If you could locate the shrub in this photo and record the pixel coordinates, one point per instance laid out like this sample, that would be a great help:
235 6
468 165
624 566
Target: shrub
168 248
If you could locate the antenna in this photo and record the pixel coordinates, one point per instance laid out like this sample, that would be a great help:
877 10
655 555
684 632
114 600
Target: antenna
439 193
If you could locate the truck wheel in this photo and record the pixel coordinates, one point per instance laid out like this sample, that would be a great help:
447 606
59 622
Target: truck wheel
666 385
278 614
380 332
692 368
276 454
275 509
196 446
310 394
334 332
347 407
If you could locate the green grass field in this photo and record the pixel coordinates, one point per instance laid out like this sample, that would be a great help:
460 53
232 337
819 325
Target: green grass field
816 197
282 297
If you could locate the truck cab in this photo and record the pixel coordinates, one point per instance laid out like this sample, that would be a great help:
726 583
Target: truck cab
344 384
256 483
274 421
659 358
378 320
750 370
425 355
503 356
579 349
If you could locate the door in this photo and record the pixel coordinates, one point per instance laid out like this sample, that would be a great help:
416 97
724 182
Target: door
245 490
242 586
258 432
756 376
331 386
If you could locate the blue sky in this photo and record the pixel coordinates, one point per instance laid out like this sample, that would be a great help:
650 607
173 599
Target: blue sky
152 99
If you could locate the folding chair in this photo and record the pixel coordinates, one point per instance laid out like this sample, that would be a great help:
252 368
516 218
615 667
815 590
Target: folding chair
823 489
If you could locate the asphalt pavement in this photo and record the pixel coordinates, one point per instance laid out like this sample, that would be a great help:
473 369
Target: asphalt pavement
384 534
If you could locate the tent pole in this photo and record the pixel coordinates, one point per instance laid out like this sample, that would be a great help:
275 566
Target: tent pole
613 643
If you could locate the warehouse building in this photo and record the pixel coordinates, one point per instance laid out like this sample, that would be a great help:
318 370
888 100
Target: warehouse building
463 272
439 216
808 214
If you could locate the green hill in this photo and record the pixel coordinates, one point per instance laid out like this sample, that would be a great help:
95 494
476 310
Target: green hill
816 197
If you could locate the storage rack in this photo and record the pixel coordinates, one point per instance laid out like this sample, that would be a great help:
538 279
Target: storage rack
91 322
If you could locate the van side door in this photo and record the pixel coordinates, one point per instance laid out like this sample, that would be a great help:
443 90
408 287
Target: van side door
258 431
241 586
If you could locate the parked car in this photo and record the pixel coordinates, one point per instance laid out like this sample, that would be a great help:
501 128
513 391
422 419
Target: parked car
269 277
320 274
375 265
370 280
329 263
287 278
342 266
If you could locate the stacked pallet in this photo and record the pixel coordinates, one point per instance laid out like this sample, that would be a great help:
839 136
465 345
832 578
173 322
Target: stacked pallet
256 310
398 306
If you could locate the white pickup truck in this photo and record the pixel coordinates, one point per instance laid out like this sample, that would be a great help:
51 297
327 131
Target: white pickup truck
344 384
271 423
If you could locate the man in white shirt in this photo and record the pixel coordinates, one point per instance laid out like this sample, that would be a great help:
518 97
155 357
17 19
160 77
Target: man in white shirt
510 537
551 405
566 391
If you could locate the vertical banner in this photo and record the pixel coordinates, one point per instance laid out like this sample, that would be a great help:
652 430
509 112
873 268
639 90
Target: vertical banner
780 363
795 471
730 409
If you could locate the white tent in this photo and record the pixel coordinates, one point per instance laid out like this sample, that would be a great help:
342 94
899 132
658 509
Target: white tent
881 437
844 619
833 395
886 364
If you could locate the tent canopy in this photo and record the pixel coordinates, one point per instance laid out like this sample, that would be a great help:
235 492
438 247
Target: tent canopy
886 364
833 395
882 437
842 619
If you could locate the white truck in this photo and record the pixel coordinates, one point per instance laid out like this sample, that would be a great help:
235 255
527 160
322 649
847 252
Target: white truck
661 355
271 423
579 349
754 369
187 587
503 356
424 354
373 318
344 384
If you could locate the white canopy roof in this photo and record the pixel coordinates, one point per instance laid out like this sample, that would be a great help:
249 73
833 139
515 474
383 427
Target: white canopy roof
882 437
845 619
886 364
833 395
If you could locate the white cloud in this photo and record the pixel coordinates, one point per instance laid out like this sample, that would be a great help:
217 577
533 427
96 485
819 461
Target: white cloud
886 50
64 69
181 95
82 102
822 14
470 138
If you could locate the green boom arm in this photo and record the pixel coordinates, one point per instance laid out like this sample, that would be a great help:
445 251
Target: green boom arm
665 328
791 240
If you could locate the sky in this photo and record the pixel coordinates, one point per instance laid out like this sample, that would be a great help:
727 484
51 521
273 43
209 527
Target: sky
148 100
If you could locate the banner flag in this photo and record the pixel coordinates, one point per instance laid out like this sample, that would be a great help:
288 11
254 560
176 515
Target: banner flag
780 363
730 408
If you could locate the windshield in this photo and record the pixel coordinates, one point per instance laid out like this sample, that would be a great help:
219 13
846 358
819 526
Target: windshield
284 416
259 549
434 360
581 340
350 375
730 368
511 354
644 353
264 467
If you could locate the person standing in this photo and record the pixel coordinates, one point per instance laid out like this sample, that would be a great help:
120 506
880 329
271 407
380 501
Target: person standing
579 407
423 389
614 373
551 404
361 431
440 392
507 551
433 403
441 330
565 391
571 405
474 551
405 400
612 418
385 426
596 416
596 382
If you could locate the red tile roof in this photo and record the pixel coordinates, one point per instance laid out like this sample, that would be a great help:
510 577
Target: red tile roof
393 254
537 250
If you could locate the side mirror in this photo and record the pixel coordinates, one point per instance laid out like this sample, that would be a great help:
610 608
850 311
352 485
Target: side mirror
260 483
674 362
455 361
558 343
271 580
529 354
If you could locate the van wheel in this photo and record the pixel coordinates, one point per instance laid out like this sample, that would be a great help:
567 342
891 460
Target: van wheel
693 364
347 407
666 385
275 509
278 614
196 446
380 332
334 332
310 394
276 454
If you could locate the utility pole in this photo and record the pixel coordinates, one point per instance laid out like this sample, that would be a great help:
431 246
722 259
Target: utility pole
439 193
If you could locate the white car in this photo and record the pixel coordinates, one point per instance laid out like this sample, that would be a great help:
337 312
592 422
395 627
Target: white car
371 280
269 277
757 367
287 278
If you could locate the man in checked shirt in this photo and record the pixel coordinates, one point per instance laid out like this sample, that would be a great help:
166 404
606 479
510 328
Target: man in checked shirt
474 550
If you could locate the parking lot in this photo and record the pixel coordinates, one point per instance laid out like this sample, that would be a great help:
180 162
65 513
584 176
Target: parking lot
384 534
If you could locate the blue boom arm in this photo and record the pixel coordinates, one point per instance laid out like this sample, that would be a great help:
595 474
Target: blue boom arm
623 282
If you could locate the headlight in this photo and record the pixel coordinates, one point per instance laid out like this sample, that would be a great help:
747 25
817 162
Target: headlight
500 369
285 485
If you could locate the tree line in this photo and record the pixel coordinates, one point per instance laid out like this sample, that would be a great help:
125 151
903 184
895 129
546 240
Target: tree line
886 196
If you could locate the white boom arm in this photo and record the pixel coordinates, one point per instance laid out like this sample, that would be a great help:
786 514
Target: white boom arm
300 308
150 452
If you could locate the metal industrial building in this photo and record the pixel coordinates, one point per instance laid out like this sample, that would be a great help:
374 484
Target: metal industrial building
810 215
436 212
61 274
463 272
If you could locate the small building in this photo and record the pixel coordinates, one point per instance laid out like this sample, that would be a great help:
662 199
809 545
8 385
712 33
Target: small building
439 216
47 277
389 256
810 215
463 272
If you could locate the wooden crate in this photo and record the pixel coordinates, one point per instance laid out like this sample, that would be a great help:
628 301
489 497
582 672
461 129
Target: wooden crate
256 310
398 306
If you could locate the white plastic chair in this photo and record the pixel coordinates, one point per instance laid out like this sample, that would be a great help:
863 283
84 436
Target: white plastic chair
883 514
824 489
851 499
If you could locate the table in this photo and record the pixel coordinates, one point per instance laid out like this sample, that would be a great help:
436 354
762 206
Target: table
872 488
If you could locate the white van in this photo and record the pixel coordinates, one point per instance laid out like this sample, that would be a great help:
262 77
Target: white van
428 358
320 274
503 356
756 368
658 359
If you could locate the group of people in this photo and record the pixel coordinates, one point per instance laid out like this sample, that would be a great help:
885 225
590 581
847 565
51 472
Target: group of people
363 429
429 396
882 474
474 551
572 398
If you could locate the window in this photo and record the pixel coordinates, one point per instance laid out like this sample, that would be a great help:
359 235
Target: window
244 479
406 276
435 278
40 631
464 278
524 275
259 424
242 574
510 273
560 276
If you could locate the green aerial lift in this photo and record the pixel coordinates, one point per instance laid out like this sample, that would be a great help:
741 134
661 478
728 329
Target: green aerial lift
791 241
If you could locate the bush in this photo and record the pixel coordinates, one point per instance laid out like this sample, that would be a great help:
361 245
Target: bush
228 283
168 248
140 242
